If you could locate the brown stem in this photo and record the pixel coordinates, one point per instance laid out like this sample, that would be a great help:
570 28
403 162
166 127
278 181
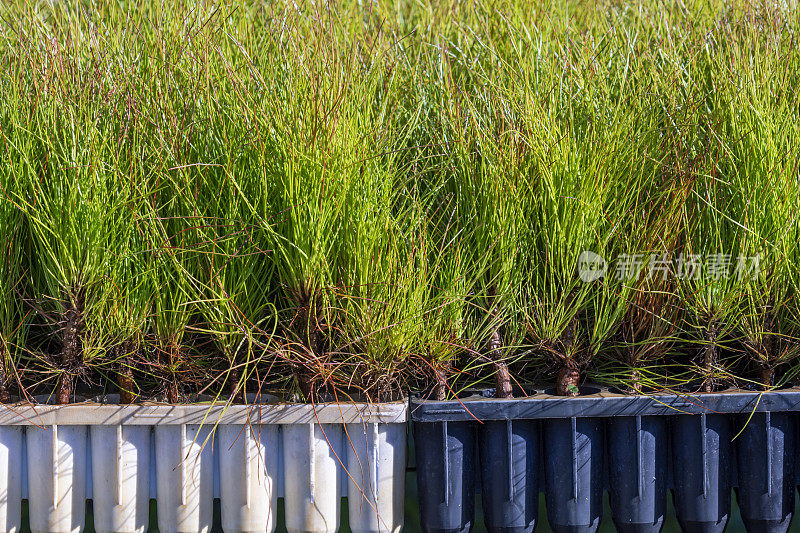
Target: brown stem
237 394
568 335
635 385
569 376
631 353
315 341
502 381
172 386
440 389
70 351
568 379
767 373
502 377
711 357
172 391
5 395
306 384
770 348
125 382
65 386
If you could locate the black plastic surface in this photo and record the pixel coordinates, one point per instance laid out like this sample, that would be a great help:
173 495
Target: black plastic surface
573 466
637 452
701 455
636 447
603 404
766 459
446 476
509 456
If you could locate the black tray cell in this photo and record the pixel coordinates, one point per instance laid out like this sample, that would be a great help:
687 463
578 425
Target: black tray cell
445 454
573 459
637 449
766 460
509 452
702 455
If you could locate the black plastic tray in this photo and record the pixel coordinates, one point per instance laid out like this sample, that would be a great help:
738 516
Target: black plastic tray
700 446
603 403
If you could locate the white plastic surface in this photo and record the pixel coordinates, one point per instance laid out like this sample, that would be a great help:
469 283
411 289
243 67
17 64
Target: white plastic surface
376 464
103 414
10 479
312 470
55 467
57 478
121 478
185 478
248 466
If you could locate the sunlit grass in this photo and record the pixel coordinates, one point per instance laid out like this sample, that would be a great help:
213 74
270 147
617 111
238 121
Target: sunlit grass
354 200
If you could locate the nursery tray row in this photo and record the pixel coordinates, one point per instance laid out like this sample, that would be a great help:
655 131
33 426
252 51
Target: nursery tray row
598 402
635 447
186 455
91 413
